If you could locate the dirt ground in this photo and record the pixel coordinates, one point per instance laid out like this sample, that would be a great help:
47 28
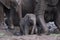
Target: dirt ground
4 35
30 37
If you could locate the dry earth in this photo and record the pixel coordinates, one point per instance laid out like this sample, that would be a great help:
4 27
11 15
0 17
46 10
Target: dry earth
30 37
8 36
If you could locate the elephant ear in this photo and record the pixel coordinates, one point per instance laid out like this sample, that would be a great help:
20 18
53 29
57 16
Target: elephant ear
52 2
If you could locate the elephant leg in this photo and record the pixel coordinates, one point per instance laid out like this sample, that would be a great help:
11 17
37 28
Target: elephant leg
12 11
57 16
26 32
7 21
25 25
39 11
44 25
32 22
1 16
57 20
19 12
19 9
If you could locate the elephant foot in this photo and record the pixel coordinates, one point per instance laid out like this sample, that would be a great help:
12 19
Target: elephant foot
26 33
41 21
47 33
57 31
11 27
44 33
17 31
17 34
3 26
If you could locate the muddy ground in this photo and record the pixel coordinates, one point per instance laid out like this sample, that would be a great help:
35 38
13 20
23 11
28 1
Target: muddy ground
5 35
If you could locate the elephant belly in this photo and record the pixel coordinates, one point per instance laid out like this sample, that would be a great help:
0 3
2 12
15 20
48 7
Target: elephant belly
28 5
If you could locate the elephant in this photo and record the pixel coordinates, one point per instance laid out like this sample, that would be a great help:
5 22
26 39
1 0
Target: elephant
28 24
8 7
52 13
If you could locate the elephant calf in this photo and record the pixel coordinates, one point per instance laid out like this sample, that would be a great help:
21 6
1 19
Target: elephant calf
28 24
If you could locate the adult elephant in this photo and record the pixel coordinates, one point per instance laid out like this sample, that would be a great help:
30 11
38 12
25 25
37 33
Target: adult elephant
9 8
52 12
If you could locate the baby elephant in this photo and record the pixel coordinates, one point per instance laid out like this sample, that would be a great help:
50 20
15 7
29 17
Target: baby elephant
28 24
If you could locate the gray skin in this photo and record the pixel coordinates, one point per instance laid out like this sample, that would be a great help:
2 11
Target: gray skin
28 24
57 16
53 13
1 15
30 6
37 7
39 11
8 7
